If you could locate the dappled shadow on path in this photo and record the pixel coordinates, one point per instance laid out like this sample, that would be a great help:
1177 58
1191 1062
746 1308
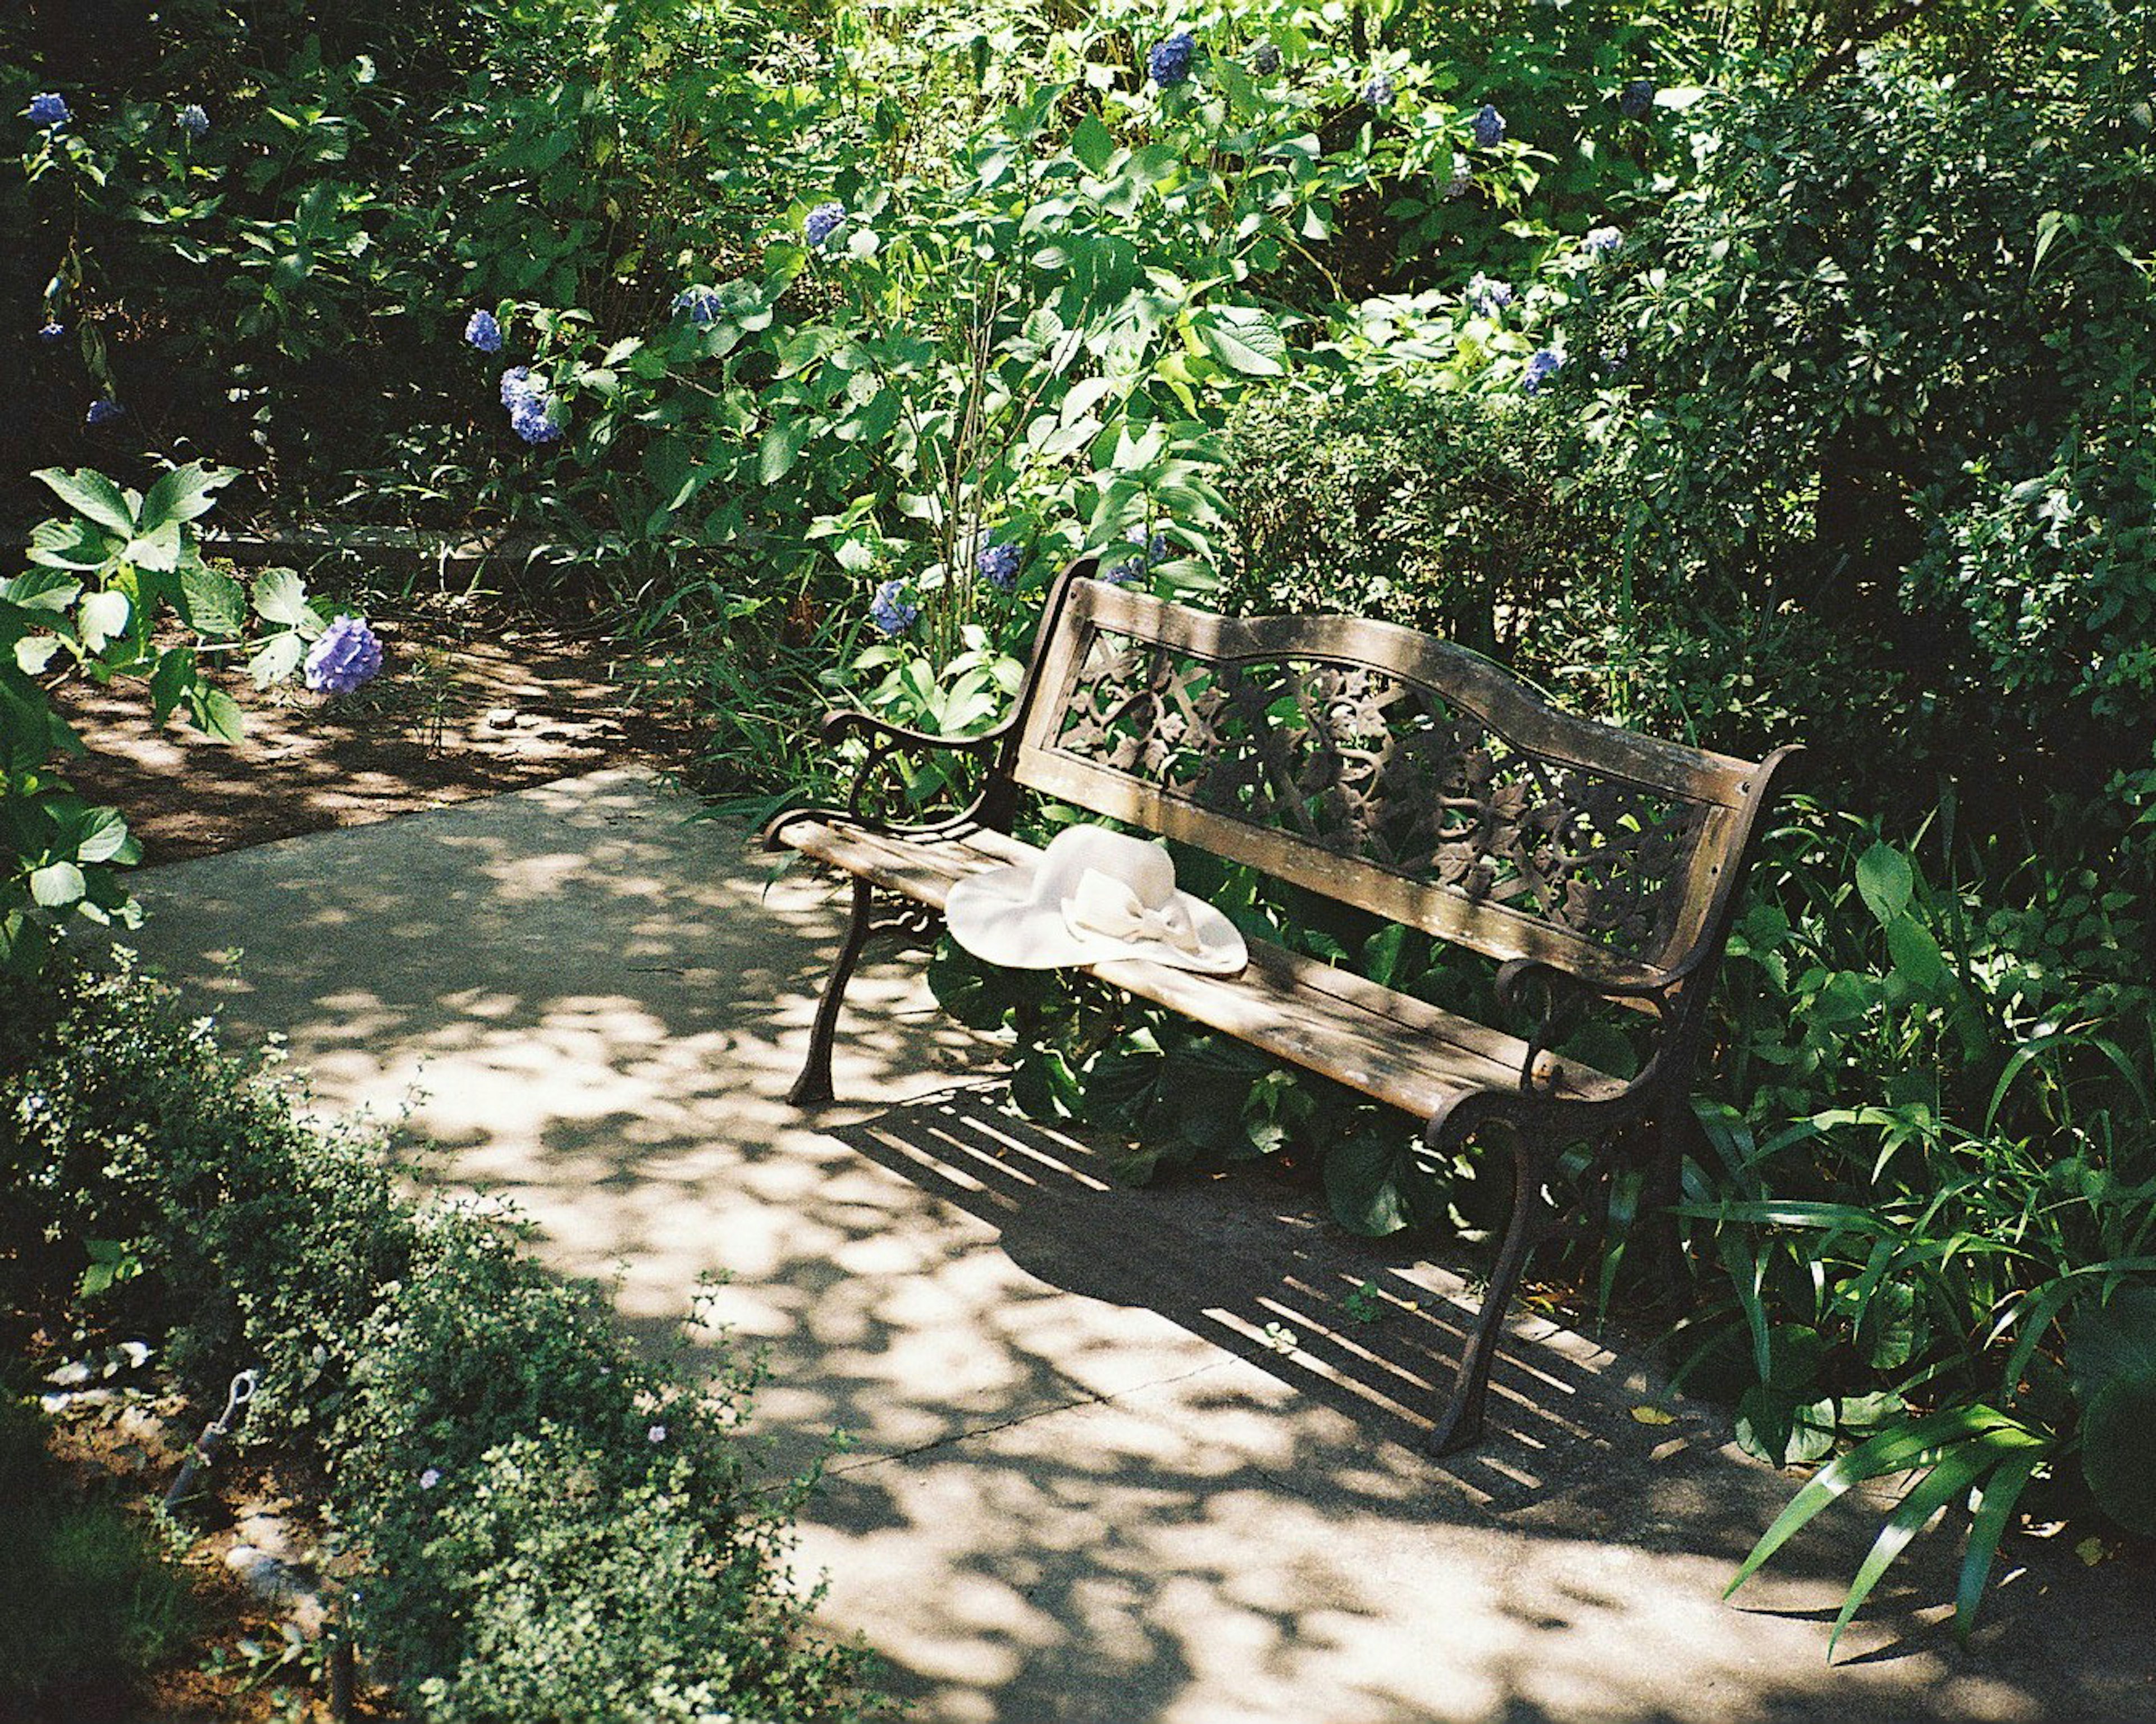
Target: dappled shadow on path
1092 1477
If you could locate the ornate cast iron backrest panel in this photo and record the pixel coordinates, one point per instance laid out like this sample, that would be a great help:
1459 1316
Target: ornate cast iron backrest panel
1389 769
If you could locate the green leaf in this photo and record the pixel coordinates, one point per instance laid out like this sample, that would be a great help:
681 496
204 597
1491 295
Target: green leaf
73 544
281 597
103 616
57 885
216 714
1886 881
89 493
1955 1473
2113 1340
212 602
101 836
1251 344
781 449
2001 1491
171 680
276 659
184 493
157 548
34 652
1093 144
2115 1450
1891 1451
1363 1180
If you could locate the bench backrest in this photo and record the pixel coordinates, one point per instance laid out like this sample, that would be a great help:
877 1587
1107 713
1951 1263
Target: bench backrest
1390 770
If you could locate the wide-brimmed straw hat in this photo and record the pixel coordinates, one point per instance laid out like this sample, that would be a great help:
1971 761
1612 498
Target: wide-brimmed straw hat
1094 895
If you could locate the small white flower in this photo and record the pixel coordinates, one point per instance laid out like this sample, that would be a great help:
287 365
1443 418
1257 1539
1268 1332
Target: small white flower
430 1478
657 1434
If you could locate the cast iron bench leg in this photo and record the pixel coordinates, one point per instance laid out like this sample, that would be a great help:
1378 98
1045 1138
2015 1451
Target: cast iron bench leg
1460 1426
814 1084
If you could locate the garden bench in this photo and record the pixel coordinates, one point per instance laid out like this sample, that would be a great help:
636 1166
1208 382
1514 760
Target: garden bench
1384 768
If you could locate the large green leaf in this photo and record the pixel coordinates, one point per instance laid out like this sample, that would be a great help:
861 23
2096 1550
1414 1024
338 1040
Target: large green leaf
89 493
2112 1340
1886 881
281 597
184 493
57 885
212 601
2119 1458
1251 343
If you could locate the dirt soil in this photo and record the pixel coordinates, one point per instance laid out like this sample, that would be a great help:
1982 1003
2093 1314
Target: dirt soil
467 704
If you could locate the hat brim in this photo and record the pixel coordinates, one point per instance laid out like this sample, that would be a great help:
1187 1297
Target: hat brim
994 916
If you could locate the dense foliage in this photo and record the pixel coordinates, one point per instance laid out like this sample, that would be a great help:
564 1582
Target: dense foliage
1746 374
537 1521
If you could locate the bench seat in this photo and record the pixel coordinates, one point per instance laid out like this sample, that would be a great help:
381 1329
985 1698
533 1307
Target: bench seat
1392 1047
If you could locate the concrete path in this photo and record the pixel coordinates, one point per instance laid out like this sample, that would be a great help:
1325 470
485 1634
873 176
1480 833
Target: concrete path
1117 1456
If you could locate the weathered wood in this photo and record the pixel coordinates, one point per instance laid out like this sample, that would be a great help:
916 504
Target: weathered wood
1391 1047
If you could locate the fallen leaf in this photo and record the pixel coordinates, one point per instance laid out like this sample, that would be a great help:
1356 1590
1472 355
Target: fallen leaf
1653 1415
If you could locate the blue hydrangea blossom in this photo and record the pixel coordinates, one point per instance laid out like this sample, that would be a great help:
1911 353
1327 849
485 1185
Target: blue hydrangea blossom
1636 98
1486 298
1265 61
1546 364
1153 551
1601 241
1168 64
346 655
517 382
51 331
700 304
48 111
194 121
484 332
1488 126
531 404
823 221
103 412
999 565
1378 92
892 611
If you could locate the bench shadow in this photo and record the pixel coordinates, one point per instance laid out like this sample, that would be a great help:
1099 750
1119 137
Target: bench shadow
1371 1329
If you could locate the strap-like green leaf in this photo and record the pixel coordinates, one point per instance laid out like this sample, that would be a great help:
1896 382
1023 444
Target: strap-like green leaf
1956 1470
2001 1491
1889 1452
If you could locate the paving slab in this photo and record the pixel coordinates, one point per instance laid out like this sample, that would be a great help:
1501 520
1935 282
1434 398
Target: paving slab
1109 1455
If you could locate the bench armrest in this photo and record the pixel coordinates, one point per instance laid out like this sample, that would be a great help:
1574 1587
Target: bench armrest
1565 997
885 740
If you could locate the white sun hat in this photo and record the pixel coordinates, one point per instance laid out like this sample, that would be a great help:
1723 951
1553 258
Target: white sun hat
1094 895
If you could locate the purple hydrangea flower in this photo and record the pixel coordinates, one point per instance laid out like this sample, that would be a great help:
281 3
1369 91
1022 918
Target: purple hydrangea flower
346 655
103 412
1168 64
195 121
532 418
1601 241
999 565
48 111
51 331
1265 59
822 222
1378 92
656 1434
1488 126
700 304
1123 573
892 611
484 332
1486 298
1463 176
1636 97
517 382
1546 364
430 1478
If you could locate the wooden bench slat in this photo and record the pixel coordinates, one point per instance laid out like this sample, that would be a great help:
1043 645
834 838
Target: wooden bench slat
1389 1046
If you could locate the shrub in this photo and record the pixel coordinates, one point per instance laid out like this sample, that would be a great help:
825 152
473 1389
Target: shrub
541 1523
1450 512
